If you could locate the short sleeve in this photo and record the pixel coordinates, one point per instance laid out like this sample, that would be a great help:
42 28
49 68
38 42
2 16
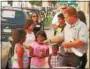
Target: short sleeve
84 34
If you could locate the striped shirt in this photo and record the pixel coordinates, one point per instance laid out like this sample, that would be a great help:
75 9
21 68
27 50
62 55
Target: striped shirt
55 61
25 59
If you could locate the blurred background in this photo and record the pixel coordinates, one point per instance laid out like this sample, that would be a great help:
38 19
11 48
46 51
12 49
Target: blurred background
47 6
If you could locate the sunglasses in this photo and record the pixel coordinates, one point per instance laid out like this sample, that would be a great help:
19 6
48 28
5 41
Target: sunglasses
34 16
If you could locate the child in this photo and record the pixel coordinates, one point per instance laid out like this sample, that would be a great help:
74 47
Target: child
61 24
20 55
39 52
54 58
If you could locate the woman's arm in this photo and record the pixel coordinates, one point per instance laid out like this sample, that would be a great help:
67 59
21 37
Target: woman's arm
20 53
27 47
54 39
49 61
47 53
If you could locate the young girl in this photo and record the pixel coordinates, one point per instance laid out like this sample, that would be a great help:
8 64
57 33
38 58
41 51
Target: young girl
54 58
39 52
20 55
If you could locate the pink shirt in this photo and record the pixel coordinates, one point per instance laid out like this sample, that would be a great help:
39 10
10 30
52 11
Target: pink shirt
37 49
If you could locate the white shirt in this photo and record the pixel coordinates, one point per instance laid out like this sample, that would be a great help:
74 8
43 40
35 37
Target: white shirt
30 38
78 31
55 19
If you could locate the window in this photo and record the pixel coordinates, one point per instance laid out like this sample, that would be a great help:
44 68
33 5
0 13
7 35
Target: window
8 14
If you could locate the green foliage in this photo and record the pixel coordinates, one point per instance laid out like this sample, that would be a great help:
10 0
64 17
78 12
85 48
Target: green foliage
48 21
38 3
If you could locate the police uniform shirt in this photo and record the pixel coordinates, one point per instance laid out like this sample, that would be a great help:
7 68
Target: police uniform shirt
77 31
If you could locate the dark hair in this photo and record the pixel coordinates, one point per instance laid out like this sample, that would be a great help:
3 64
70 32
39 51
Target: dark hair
61 15
55 46
28 23
42 33
17 35
81 16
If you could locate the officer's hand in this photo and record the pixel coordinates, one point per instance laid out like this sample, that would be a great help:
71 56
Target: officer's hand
47 41
67 44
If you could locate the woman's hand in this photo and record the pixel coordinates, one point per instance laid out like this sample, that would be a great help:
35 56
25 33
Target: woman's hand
47 42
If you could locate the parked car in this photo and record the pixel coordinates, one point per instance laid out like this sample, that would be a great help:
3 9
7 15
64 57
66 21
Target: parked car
11 18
